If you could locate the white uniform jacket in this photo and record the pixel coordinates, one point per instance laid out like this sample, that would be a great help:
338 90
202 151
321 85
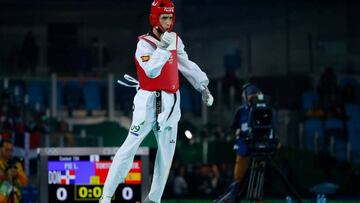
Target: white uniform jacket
144 101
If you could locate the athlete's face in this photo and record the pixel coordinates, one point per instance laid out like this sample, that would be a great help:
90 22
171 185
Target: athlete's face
166 20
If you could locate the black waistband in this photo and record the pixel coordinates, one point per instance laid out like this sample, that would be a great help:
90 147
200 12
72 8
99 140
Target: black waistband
158 107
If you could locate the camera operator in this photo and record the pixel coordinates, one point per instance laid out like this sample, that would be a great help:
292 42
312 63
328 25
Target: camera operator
241 129
12 175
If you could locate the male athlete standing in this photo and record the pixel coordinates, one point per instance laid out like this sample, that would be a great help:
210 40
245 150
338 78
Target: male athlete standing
159 56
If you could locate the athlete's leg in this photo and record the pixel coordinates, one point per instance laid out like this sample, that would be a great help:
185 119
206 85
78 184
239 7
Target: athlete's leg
166 141
124 158
142 122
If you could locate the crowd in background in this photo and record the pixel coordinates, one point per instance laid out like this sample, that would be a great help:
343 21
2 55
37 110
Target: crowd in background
333 96
332 110
17 119
63 56
200 180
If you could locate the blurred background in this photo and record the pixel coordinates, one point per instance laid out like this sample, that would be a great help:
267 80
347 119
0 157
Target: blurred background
60 59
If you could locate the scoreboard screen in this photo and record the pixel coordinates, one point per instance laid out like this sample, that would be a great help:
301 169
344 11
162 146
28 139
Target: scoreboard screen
78 175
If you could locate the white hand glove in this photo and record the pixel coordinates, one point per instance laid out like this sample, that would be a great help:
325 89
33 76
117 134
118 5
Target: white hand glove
166 39
207 98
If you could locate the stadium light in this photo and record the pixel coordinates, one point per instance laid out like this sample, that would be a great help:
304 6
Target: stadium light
188 134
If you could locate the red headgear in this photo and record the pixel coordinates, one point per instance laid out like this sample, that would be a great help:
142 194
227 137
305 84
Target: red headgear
160 7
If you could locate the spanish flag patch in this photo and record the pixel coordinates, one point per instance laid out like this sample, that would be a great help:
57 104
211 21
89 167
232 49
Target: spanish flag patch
133 178
145 58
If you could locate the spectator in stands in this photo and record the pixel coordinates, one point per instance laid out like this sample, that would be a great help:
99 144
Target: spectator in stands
180 185
12 175
229 81
332 102
330 95
38 129
349 92
336 107
327 86
99 54
218 181
29 53
6 115
204 186
62 136
6 130
316 111
194 179
226 170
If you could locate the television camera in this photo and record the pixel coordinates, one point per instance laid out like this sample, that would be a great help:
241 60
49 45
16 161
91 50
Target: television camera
261 138
262 142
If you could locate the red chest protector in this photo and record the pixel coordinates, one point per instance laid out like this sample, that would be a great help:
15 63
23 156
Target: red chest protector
168 80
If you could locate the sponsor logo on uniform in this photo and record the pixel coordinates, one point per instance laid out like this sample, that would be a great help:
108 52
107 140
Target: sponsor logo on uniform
169 9
172 141
134 129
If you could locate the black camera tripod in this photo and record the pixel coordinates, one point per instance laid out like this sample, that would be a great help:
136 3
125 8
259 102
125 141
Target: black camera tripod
254 180
256 175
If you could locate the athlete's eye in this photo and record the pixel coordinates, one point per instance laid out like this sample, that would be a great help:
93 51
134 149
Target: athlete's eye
166 18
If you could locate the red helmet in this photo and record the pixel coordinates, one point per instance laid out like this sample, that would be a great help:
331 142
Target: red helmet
160 7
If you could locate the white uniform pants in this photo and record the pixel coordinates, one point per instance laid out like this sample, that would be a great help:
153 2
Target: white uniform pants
143 122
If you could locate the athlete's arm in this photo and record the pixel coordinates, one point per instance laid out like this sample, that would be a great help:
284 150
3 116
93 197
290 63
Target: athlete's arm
191 70
150 58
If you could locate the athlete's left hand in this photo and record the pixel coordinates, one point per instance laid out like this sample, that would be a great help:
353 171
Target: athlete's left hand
166 39
206 96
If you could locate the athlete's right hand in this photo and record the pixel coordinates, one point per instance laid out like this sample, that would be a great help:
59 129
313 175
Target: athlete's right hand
207 98
166 39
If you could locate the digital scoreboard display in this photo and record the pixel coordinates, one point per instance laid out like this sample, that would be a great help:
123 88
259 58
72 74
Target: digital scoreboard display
78 175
